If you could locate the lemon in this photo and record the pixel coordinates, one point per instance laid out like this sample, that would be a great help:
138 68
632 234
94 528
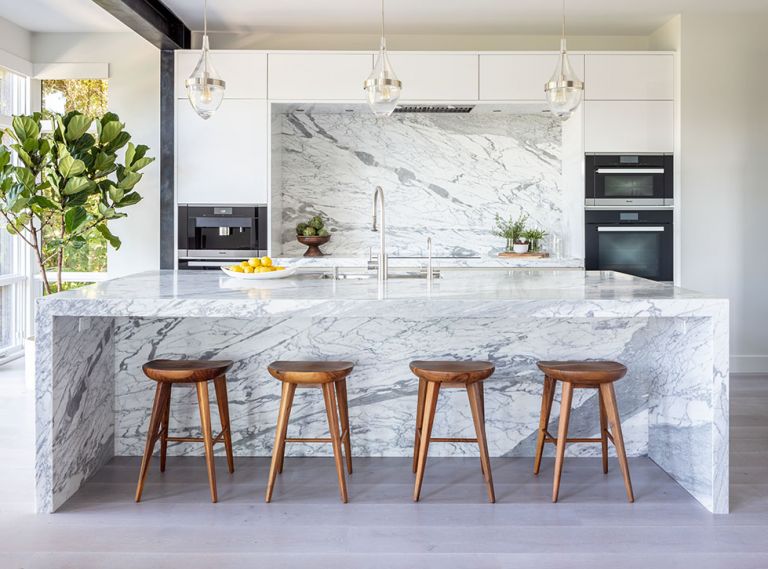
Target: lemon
266 262
248 269
279 268
254 262
236 269
244 264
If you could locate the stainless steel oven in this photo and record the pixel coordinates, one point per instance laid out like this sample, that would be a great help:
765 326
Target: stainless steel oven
636 242
211 236
629 180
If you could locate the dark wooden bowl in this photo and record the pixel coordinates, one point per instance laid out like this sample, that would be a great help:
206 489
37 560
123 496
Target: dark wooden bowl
313 244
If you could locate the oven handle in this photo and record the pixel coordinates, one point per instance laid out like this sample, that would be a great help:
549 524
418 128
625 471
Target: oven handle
633 228
630 170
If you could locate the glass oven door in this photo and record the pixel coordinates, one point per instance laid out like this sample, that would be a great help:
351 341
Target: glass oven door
640 186
640 250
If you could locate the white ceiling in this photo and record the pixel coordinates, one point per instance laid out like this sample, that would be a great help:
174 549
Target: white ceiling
534 17
586 17
60 16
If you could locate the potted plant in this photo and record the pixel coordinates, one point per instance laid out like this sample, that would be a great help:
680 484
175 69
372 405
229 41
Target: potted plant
534 237
520 245
511 229
67 182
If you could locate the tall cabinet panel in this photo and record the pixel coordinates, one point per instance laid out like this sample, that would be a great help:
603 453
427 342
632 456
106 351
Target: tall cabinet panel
223 160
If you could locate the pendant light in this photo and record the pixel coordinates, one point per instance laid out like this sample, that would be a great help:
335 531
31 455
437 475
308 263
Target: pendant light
382 88
564 90
205 88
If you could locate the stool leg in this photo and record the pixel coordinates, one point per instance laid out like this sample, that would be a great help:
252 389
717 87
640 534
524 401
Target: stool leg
164 431
286 400
612 410
161 394
333 426
603 430
341 395
419 417
475 393
288 407
428 419
220 385
205 423
546 409
562 435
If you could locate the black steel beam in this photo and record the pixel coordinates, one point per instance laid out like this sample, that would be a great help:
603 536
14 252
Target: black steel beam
152 20
167 158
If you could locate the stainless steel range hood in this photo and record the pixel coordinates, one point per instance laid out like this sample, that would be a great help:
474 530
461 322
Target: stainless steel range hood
434 108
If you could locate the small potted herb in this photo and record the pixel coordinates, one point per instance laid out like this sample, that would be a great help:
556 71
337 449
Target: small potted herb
520 245
512 230
534 237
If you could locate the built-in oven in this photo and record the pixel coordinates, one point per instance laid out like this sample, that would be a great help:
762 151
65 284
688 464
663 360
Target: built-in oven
636 242
629 180
212 236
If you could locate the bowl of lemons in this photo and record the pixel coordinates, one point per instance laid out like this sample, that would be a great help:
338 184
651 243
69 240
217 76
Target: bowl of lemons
258 268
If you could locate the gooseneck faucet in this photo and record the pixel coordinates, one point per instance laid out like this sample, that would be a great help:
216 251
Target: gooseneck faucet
378 199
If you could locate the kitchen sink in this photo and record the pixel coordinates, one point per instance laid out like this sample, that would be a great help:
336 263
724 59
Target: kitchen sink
372 276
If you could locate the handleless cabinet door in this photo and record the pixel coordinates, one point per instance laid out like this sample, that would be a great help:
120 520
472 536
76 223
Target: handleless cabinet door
520 77
244 72
318 76
436 77
638 77
629 126
222 160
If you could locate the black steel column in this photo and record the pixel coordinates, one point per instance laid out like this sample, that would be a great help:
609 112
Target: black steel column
167 159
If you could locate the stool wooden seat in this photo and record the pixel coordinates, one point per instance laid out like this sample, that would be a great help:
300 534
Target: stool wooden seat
449 374
331 377
598 375
198 372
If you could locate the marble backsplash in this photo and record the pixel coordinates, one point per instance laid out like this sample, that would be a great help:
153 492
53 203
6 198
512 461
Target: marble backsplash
444 176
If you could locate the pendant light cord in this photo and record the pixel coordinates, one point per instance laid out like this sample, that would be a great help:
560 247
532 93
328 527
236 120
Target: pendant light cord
563 21
382 21
205 17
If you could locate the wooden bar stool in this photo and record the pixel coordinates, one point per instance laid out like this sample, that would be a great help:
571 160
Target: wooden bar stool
327 375
449 374
198 372
598 375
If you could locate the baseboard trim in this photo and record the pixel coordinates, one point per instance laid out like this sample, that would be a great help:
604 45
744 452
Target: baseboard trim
749 364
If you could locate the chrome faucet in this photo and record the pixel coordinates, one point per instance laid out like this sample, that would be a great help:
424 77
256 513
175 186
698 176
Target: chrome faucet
429 259
378 199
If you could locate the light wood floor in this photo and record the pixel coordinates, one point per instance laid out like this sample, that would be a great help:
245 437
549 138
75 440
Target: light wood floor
307 527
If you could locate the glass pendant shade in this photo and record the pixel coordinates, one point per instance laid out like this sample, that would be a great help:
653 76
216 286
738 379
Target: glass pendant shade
382 88
205 88
564 91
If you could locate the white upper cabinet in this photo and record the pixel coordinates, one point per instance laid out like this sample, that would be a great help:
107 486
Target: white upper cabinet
318 76
629 126
436 77
245 72
223 160
639 77
519 77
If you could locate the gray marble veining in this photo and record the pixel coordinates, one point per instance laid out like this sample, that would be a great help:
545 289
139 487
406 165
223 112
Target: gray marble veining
93 400
445 176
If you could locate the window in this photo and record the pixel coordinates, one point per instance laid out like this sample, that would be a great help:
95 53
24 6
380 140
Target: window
88 96
14 265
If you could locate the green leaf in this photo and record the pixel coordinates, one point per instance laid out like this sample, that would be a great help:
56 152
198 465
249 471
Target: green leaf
77 242
24 177
76 185
78 125
25 127
10 229
119 141
109 117
109 131
130 199
31 145
107 234
129 181
116 194
70 167
23 156
43 202
74 218
140 163
5 157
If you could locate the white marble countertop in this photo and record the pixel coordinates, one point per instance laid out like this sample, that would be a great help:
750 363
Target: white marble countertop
537 292
330 261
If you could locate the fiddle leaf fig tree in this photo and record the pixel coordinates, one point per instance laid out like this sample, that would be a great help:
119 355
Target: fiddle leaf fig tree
68 182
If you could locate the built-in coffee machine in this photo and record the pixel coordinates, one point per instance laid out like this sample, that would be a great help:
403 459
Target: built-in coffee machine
212 236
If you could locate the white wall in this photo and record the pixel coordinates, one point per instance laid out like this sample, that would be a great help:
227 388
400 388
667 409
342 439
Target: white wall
724 182
15 47
134 94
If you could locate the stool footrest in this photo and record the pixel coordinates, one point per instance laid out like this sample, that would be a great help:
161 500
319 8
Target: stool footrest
451 440
307 440
217 439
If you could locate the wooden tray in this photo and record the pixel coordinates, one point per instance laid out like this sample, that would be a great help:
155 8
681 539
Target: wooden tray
537 255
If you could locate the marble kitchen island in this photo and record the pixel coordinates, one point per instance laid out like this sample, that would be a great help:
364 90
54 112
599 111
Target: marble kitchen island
93 401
